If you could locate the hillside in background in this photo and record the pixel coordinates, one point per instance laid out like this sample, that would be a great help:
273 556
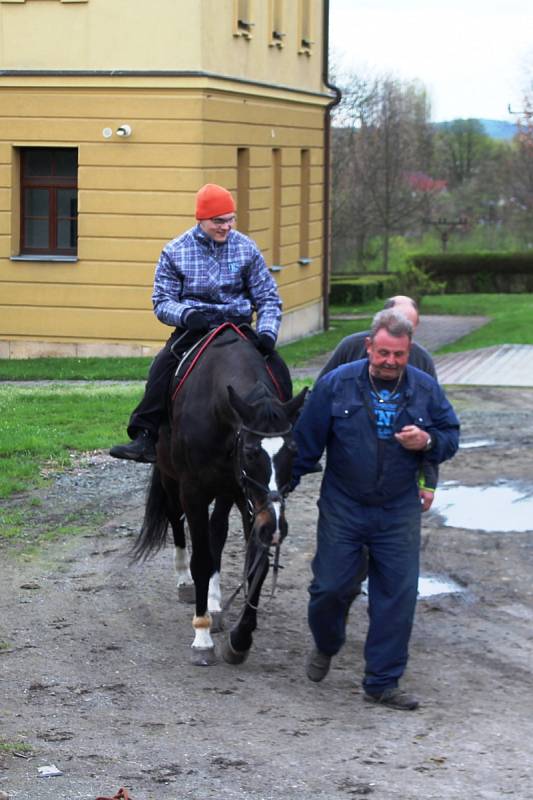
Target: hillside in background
495 128
499 129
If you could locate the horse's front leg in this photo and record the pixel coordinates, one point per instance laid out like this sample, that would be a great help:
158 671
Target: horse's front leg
240 639
203 648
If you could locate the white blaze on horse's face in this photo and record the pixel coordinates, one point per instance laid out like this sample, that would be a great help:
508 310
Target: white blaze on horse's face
272 447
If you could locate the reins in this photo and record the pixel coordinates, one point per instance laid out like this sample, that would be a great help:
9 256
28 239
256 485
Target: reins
262 552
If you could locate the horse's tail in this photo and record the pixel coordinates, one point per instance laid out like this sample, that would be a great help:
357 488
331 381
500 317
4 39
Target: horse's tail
155 523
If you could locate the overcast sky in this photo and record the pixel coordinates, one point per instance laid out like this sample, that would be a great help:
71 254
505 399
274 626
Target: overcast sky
473 56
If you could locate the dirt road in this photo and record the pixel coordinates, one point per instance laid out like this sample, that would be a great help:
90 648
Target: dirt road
96 678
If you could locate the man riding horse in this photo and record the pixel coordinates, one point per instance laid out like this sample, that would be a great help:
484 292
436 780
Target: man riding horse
209 275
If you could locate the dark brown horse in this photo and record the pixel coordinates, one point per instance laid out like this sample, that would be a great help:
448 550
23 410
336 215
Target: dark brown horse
229 441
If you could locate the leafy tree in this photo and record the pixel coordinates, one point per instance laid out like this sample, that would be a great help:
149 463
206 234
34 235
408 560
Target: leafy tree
460 148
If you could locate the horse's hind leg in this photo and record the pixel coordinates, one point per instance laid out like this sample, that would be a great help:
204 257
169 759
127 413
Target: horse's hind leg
176 517
184 581
218 532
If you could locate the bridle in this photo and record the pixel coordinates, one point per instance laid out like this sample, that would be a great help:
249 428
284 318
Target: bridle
245 482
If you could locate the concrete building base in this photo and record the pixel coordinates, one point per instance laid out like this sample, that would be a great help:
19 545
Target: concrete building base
296 324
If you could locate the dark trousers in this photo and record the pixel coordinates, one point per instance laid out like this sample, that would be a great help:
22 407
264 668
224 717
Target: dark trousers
152 410
392 535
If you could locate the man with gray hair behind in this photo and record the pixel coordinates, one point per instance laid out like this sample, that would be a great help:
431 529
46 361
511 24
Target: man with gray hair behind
375 418
353 346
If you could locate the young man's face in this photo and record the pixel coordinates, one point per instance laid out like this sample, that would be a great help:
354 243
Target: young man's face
218 228
387 355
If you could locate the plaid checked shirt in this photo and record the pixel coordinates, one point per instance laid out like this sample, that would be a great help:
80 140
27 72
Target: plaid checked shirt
225 282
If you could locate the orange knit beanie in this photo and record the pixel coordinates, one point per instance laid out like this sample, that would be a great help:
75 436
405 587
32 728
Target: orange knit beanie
212 201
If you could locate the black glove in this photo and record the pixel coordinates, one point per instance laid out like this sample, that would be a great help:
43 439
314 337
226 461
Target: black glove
196 321
265 344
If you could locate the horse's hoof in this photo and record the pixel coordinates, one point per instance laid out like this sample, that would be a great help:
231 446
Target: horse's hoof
203 656
217 621
186 593
232 656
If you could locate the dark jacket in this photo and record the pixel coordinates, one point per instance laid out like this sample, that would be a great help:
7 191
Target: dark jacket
353 347
338 416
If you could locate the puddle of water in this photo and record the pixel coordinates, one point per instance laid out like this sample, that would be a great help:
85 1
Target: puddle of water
476 443
430 585
502 508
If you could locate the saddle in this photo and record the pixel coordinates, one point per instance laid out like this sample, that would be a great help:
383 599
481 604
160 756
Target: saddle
192 356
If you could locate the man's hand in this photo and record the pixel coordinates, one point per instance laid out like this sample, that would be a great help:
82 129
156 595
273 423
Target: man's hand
426 499
412 437
265 344
196 321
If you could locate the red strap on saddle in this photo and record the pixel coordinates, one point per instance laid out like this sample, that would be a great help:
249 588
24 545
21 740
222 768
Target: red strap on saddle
122 794
205 344
274 380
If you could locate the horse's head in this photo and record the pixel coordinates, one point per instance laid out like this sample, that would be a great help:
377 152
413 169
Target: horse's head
263 457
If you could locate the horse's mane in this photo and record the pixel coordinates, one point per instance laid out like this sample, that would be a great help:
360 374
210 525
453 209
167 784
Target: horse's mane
269 409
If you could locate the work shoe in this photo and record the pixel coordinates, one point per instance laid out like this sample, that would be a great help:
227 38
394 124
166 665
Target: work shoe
142 449
393 698
317 665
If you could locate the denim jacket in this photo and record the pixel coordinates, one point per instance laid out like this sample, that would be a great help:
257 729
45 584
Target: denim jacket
338 418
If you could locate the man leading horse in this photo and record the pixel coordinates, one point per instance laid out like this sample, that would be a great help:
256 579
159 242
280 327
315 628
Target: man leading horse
209 275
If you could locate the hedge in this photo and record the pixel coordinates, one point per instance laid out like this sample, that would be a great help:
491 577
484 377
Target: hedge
479 272
411 281
363 289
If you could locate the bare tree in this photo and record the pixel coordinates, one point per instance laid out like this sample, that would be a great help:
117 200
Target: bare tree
522 171
385 136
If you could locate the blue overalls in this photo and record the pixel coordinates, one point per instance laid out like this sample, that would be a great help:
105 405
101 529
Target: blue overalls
369 497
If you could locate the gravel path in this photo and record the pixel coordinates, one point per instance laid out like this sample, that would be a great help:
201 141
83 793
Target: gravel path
96 679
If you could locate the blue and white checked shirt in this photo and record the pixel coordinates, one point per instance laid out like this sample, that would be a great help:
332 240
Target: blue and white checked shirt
227 281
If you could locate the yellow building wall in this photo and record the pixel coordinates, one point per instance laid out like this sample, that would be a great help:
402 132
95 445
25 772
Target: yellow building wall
136 193
161 35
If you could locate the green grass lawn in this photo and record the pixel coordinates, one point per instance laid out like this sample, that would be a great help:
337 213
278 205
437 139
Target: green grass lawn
511 318
40 425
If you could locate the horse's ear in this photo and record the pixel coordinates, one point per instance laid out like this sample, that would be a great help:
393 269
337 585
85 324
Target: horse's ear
239 405
292 407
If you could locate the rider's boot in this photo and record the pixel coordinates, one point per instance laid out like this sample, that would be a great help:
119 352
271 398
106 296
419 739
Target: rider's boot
142 448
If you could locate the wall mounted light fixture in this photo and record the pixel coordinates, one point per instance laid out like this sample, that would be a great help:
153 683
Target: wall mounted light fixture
123 130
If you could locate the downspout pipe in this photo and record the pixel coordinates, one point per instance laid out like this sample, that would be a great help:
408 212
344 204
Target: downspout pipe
326 236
